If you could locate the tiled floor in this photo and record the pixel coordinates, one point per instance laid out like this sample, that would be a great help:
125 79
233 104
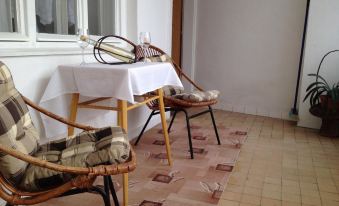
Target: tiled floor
281 164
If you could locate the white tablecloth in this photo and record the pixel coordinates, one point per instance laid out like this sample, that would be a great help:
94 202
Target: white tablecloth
101 80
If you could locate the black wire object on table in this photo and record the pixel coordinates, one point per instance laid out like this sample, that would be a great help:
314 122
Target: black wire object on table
97 51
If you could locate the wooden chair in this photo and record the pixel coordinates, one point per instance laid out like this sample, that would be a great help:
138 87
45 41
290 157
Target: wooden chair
173 104
82 177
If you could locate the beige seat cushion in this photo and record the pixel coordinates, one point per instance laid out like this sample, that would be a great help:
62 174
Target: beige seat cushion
108 145
199 96
16 128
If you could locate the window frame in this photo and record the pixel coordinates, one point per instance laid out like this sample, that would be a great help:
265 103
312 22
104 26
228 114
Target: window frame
22 34
28 42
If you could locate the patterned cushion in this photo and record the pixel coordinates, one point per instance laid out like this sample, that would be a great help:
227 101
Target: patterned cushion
16 128
199 96
105 146
157 58
172 90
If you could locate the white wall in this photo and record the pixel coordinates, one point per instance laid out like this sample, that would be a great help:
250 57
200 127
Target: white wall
155 17
249 50
322 36
189 29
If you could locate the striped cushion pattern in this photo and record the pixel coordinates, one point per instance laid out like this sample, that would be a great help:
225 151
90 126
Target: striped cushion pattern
157 58
198 96
108 145
16 128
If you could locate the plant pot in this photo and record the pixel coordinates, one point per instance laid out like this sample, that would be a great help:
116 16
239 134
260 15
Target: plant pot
330 121
327 103
329 127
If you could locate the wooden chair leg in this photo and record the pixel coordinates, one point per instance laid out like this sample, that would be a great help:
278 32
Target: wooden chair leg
164 126
122 114
73 112
125 189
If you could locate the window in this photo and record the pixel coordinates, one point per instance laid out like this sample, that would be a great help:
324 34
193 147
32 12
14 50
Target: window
8 17
56 17
101 17
11 20
42 23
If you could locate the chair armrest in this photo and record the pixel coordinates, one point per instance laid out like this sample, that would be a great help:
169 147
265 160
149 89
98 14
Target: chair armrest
181 73
95 171
56 117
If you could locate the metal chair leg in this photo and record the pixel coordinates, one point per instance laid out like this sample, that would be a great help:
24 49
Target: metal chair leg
104 196
189 133
113 192
143 129
214 125
172 120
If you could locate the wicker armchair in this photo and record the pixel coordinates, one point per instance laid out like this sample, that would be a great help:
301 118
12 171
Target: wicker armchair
173 104
80 178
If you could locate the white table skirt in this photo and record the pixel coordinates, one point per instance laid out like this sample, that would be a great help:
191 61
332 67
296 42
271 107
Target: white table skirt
100 80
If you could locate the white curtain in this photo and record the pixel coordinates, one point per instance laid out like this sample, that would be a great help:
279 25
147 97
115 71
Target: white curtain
44 9
5 16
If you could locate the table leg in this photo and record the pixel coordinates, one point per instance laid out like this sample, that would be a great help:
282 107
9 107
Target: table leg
73 112
164 126
122 122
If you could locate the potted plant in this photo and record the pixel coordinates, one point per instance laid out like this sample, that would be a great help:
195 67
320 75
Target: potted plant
324 101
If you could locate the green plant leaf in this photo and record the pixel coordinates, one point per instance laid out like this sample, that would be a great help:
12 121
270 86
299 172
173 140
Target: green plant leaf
316 98
320 77
314 84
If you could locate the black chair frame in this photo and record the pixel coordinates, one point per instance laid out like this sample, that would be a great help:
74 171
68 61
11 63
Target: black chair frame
175 110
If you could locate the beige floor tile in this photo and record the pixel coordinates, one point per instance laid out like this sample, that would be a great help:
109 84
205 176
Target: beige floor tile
291 197
312 193
270 202
228 203
309 200
291 190
272 187
252 191
272 194
308 186
287 165
234 188
246 204
231 196
290 183
251 199
327 188
329 203
286 203
329 196
271 180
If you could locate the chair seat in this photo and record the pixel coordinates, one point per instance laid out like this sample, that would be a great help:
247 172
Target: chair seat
198 96
105 146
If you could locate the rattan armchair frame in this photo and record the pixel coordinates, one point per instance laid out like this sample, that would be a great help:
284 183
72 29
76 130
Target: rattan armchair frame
83 182
176 105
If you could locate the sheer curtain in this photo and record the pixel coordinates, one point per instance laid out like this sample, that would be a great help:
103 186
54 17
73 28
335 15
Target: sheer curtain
44 9
5 16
